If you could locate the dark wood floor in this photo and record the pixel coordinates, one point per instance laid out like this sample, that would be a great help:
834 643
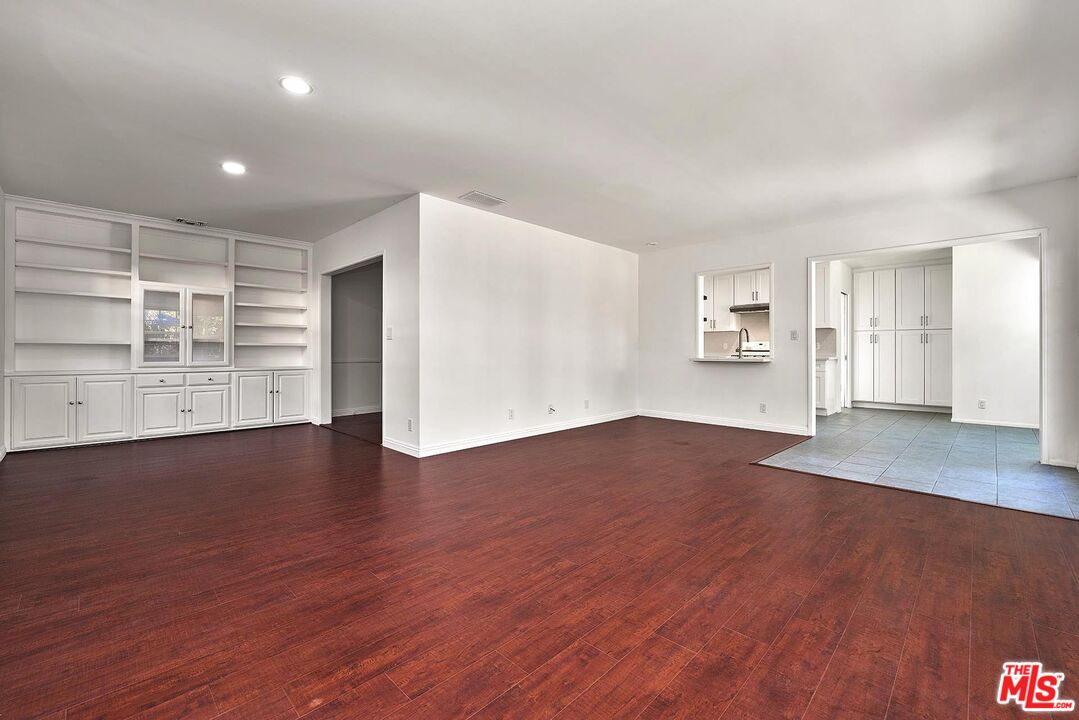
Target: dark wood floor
367 426
642 568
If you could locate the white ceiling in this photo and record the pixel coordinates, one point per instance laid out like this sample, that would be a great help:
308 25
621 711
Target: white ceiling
618 121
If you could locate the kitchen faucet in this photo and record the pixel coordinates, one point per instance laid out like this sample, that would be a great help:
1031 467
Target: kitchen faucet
746 331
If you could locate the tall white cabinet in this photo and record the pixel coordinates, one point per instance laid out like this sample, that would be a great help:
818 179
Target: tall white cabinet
902 343
121 327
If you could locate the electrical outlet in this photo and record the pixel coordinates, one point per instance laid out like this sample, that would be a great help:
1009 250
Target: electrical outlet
794 335
764 408
410 424
389 333
510 413
585 404
550 410
983 404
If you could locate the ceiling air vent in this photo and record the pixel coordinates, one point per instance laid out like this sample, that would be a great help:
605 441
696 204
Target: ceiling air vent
186 221
478 198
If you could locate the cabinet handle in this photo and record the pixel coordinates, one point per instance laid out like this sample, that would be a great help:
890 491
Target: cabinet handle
921 338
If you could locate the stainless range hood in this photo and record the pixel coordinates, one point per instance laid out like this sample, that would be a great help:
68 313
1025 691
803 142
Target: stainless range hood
750 308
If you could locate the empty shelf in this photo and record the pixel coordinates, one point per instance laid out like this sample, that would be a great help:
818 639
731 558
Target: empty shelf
178 258
263 286
292 326
76 293
67 268
72 243
271 344
269 306
68 341
270 267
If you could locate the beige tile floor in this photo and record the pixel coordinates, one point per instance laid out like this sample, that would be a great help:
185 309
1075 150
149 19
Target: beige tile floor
928 452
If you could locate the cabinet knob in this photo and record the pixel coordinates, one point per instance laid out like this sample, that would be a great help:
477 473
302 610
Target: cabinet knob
70 402
80 402
209 379
182 410
161 379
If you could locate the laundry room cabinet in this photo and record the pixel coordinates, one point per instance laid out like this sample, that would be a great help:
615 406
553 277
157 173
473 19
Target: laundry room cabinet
874 367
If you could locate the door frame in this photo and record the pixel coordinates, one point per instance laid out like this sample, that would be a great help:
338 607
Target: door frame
1040 234
324 414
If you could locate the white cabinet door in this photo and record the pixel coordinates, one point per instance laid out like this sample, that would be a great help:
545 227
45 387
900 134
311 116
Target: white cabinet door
723 298
884 299
910 367
938 367
864 302
910 298
884 367
819 390
160 412
745 291
208 407
862 367
163 325
762 284
208 325
290 396
254 398
938 296
105 407
42 411
707 303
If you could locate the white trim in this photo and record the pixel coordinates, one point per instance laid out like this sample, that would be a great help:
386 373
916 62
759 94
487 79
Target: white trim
1042 235
902 408
1029 426
726 422
3 452
406 448
481 440
358 410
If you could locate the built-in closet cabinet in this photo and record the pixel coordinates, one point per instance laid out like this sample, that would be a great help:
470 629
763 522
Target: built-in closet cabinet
121 327
916 357
752 286
63 410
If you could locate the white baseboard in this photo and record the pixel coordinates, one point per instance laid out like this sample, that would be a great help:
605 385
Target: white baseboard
904 408
481 440
406 448
359 410
1027 426
727 422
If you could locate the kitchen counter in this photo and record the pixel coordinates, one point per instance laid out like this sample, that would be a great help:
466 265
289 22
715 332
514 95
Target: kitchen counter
731 359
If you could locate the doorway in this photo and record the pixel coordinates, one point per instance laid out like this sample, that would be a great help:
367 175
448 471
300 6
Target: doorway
356 352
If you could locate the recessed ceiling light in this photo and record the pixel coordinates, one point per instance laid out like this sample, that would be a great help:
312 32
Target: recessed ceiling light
233 168
652 244
296 85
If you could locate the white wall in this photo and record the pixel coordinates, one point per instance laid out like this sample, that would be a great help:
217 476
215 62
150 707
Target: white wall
514 315
995 331
392 234
3 316
672 386
356 342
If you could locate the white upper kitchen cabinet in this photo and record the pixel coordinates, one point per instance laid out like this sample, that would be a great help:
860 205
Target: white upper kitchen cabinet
762 282
938 296
723 298
910 298
707 303
43 411
104 408
938 367
745 289
910 367
884 299
864 302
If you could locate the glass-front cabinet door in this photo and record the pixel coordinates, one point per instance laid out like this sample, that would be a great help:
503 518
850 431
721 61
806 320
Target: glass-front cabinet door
162 326
208 328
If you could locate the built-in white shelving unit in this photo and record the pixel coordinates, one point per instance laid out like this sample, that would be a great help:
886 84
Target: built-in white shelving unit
93 295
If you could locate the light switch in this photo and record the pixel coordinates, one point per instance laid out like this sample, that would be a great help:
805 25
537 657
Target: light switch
794 335
389 333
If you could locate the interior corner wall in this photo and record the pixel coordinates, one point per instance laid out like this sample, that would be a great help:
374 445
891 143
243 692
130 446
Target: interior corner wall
514 316
673 386
356 344
392 234
995 330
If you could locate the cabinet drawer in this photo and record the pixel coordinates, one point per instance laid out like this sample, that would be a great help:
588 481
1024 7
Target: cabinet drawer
165 380
212 378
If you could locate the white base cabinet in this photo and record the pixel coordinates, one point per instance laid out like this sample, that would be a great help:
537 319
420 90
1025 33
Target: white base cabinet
66 410
54 411
270 397
874 367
